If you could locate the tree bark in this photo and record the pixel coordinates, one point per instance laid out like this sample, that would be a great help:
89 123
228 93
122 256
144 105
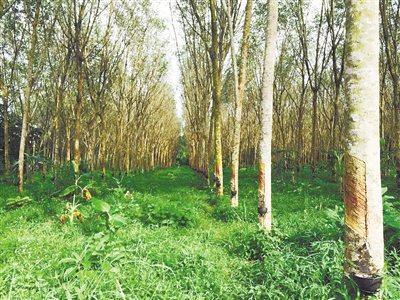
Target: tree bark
391 45
27 98
78 113
68 144
6 133
314 148
264 176
217 93
79 58
57 115
240 85
364 244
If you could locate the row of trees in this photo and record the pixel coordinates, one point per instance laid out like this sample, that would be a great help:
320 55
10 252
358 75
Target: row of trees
317 114
88 76
84 81
310 103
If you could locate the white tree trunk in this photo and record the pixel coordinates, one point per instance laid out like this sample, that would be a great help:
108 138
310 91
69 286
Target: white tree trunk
362 179
237 114
264 179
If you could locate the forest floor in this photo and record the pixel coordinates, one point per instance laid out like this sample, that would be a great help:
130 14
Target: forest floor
174 240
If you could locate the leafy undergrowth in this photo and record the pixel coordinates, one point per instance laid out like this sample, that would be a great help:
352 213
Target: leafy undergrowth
173 240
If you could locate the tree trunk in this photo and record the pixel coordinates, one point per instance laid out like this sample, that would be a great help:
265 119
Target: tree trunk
57 114
7 164
264 176
332 158
397 145
56 151
209 146
127 162
396 104
391 50
217 93
299 142
24 134
27 99
68 144
362 181
102 149
78 113
103 161
314 131
240 85
79 60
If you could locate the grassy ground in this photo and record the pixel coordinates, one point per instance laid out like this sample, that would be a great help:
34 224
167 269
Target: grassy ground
176 241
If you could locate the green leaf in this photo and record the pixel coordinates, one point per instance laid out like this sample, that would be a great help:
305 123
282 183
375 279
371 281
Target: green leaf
331 214
69 271
382 142
18 201
67 191
391 216
392 220
118 220
100 206
384 190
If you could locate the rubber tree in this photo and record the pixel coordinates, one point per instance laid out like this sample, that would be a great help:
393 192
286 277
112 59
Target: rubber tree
315 65
27 96
364 244
77 19
217 99
264 175
4 93
334 18
390 33
240 85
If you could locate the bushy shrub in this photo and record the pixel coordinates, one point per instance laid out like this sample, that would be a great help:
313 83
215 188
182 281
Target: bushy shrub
223 211
155 211
64 175
252 243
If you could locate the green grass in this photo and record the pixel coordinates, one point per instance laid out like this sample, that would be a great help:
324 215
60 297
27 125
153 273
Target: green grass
178 242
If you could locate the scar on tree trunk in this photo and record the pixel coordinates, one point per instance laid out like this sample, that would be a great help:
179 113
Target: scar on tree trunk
262 205
358 258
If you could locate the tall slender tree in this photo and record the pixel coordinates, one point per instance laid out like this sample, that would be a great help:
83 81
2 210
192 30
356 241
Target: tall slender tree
217 95
4 93
264 177
390 16
27 94
334 20
362 180
77 20
240 76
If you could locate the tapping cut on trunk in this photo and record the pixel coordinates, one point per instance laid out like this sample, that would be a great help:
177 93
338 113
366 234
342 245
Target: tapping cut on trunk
364 243
355 197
